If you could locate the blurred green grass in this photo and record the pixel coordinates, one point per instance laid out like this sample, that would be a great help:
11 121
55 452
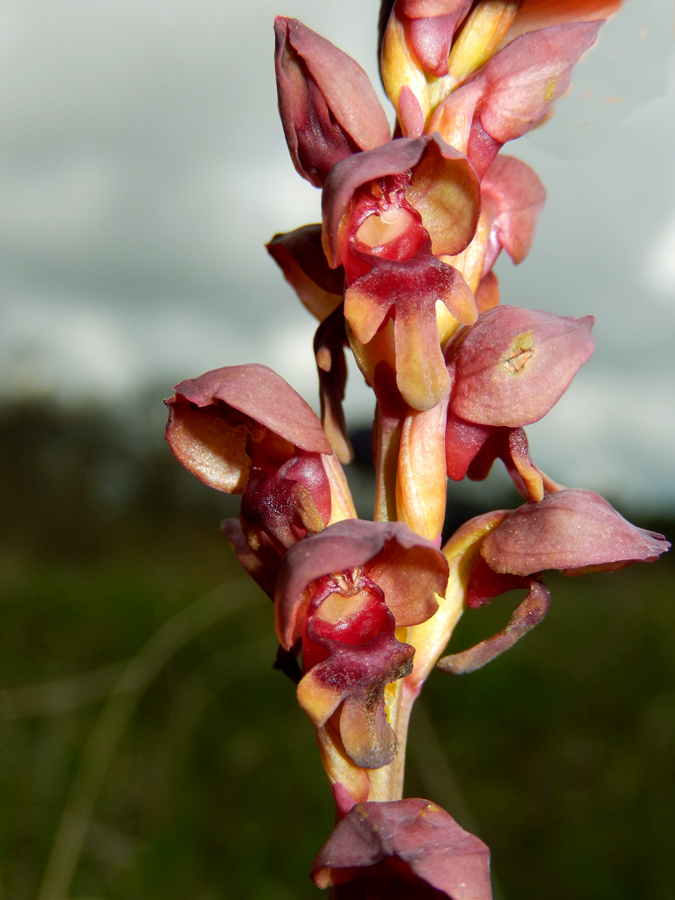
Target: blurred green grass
561 754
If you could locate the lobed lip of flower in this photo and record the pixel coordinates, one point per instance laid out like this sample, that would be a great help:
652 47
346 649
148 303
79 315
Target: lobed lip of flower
374 838
568 530
349 656
407 568
211 419
327 104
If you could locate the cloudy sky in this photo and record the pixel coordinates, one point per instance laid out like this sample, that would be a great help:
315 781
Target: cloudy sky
142 168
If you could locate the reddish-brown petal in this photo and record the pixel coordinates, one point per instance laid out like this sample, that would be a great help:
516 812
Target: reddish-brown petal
349 174
415 832
568 529
523 81
327 104
446 192
515 364
262 564
300 257
263 396
513 91
444 189
518 198
329 350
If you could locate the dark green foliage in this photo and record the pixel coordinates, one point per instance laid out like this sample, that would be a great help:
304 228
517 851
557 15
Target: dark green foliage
560 754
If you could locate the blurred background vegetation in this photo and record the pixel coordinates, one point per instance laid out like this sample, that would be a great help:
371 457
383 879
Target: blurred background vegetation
148 749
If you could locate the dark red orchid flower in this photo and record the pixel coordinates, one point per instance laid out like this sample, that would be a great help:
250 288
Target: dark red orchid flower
574 531
343 592
402 850
244 430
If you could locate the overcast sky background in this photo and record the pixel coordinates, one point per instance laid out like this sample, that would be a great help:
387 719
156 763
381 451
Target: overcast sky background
143 167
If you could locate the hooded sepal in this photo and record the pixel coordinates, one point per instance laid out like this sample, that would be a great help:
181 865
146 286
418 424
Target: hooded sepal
327 104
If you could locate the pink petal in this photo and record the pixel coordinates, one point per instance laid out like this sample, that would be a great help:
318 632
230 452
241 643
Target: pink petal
515 364
300 257
569 529
328 106
263 396
518 197
522 82
430 33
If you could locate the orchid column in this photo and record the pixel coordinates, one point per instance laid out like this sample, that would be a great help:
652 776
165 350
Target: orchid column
399 271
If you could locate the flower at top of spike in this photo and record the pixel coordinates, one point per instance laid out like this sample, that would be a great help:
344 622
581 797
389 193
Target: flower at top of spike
244 430
343 592
484 73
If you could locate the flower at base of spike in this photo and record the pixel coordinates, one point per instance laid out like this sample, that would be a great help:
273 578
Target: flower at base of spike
244 430
342 593
573 531
402 850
